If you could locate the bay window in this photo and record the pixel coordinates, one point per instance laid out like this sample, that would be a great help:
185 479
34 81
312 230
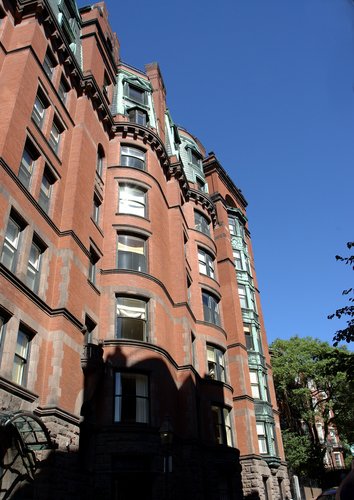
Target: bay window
201 223
132 200
216 363
206 263
131 403
131 319
210 308
131 252
221 425
132 157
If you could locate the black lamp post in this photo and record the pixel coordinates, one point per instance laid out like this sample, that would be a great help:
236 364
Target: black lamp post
166 436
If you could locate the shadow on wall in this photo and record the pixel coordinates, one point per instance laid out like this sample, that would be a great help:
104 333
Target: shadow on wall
141 436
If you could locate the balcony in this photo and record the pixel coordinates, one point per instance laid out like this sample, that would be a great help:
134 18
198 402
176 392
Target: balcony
92 358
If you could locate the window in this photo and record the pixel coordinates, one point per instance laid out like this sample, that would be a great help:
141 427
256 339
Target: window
201 185
255 384
138 116
94 258
236 228
45 192
132 157
262 438
11 242
136 94
252 301
96 209
132 200
34 265
265 395
195 158
201 223
332 436
19 370
216 364
237 260
28 160
54 136
243 296
131 403
206 263
40 105
337 459
249 337
222 425
63 90
99 160
48 65
210 309
259 342
131 253
2 329
131 318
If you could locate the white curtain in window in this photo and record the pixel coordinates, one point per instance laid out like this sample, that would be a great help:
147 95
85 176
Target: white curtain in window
131 308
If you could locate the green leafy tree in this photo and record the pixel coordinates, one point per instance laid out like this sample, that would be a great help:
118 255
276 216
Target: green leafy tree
347 333
313 384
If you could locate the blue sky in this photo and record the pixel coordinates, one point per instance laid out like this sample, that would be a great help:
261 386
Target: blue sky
268 86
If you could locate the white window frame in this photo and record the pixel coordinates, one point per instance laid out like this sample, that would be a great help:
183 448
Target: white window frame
206 263
222 425
21 357
216 363
131 252
132 310
11 244
132 157
34 266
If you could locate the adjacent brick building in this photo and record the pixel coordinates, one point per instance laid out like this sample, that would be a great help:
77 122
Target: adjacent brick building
133 355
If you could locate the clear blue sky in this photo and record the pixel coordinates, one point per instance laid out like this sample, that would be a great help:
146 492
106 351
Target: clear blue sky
268 86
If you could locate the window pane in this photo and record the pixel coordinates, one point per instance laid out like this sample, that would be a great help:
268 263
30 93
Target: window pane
131 318
136 94
20 359
132 157
45 192
131 200
38 112
131 398
26 168
131 253
201 223
33 267
10 244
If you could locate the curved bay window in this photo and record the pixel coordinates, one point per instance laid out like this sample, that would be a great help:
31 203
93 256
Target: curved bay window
132 157
210 308
206 263
132 200
221 425
131 253
216 363
131 319
201 223
131 403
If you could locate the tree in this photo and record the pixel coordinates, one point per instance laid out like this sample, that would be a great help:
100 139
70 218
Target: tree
347 333
313 386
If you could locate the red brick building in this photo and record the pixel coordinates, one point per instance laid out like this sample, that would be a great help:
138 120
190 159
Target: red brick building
133 355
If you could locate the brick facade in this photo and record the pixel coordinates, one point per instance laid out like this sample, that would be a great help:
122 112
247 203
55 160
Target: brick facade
127 282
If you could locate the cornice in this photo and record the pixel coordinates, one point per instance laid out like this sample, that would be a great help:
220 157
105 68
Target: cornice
17 390
54 411
211 164
41 304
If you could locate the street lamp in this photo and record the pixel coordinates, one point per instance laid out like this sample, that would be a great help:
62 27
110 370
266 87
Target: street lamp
166 436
